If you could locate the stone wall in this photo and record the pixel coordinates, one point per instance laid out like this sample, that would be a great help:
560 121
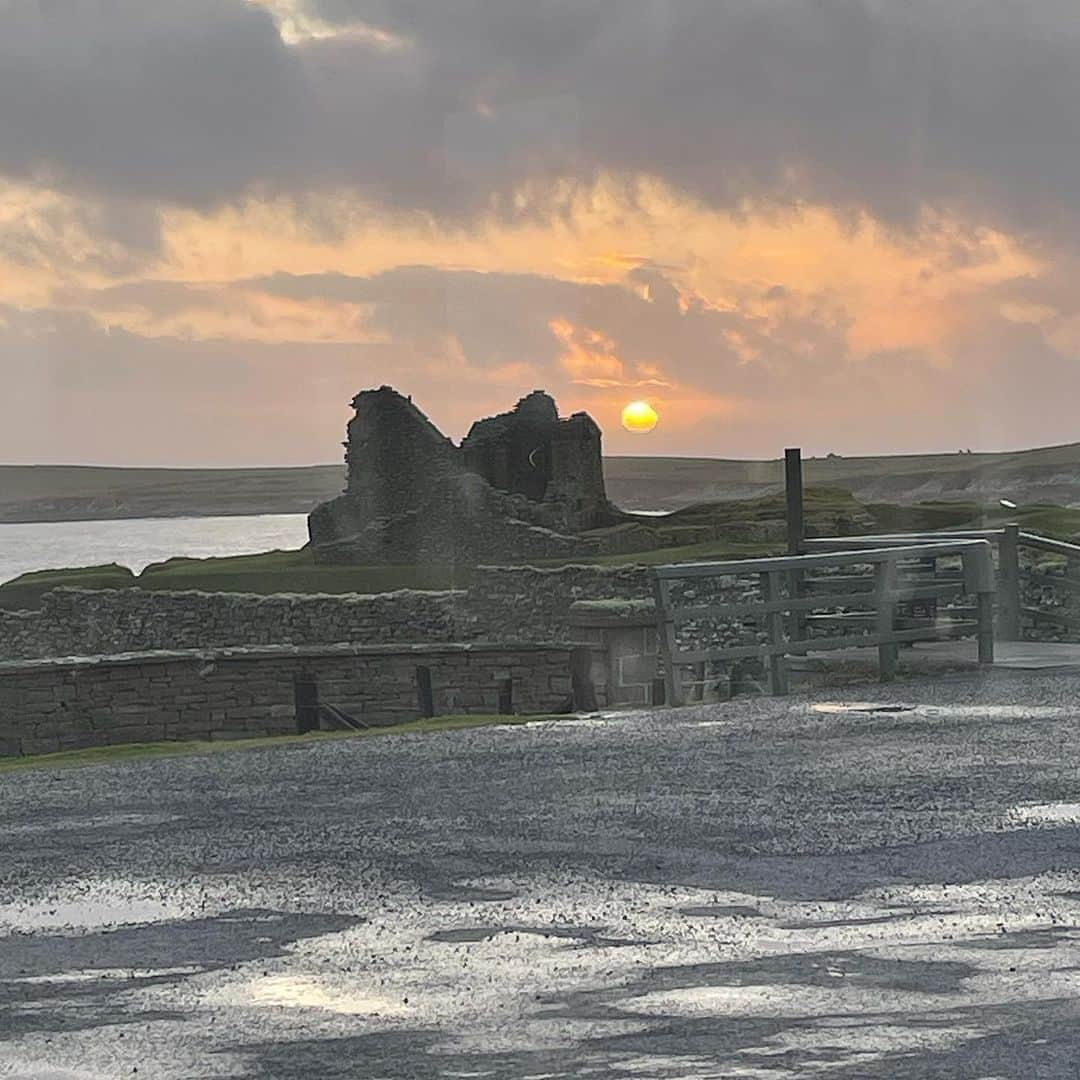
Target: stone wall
51 705
511 602
501 604
85 622
1049 599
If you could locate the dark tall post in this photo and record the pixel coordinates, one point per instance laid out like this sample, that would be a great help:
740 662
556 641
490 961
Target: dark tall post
796 532
793 483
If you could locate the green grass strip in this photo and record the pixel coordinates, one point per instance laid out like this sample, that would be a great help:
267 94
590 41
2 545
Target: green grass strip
107 755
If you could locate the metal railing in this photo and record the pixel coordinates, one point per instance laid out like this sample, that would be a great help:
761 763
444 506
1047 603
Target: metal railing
785 617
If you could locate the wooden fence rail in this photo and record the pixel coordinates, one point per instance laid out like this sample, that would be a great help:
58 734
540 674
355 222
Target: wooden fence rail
1009 540
781 616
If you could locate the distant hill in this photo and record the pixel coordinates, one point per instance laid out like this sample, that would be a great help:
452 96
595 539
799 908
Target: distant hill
76 493
86 492
1047 475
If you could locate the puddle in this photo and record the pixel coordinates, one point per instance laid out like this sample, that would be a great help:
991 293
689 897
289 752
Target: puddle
829 924
96 974
91 912
859 707
1046 814
585 934
302 992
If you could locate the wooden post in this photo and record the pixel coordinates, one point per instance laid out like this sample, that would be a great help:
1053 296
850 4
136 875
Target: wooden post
665 631
582 691
1008 584
793 487
985 616
979 579
885 598
796 533
774 623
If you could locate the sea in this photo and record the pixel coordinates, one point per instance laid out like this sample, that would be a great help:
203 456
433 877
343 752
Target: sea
137 542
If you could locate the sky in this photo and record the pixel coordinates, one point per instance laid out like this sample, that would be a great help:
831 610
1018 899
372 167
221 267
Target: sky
848 225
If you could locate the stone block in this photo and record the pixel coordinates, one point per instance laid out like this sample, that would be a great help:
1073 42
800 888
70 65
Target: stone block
636 669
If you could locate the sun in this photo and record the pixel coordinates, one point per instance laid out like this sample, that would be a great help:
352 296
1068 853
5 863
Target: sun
639 416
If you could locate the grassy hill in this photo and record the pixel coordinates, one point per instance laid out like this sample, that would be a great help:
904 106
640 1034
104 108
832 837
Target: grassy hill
1049 475
1043 475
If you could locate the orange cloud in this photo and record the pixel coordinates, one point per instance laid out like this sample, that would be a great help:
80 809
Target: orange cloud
590 359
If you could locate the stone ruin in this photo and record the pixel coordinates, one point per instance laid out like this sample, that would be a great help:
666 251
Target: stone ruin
525 484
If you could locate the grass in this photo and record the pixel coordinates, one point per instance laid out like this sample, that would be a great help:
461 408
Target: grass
108 755
697 533
925 516
26 591
268 572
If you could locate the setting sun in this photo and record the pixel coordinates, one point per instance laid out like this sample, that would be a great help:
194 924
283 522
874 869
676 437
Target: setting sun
639 416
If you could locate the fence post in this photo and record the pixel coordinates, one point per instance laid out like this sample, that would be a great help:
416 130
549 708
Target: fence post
774 624
985 615
665 631
979 579
885 598
1008 584
796 532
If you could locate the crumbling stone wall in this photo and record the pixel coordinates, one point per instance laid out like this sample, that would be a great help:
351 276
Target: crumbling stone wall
51 705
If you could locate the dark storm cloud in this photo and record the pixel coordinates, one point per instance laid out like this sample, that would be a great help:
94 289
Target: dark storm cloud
854 103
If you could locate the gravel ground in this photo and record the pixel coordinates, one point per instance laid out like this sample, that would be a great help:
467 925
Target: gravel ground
881 884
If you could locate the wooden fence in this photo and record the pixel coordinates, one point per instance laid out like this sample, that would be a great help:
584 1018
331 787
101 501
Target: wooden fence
792 600
1009 541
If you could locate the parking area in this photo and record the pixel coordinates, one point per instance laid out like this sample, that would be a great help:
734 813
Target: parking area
879 882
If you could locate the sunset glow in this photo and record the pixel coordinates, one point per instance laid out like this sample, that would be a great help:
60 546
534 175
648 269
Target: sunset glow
471 236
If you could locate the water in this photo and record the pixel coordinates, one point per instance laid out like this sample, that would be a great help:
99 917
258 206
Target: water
137 542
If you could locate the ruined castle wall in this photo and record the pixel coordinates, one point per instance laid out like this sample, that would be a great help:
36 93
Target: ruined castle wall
52 705
85 622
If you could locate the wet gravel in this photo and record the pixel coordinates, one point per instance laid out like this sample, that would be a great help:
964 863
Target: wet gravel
881 882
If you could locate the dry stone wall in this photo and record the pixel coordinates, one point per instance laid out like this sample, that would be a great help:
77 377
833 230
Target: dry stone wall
85 622
62 704
502 604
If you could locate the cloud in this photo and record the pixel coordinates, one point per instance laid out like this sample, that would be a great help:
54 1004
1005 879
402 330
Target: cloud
472 106
849 223
742 380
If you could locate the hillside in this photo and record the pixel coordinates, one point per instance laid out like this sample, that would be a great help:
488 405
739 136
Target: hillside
1043 475
74 493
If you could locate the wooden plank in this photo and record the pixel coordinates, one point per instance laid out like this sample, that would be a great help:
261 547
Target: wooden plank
1045 543
886 619
967 613
665 632
806 562
1051 615
848 543
774 623
985 634
979 573
828 644
1008 619
760 608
